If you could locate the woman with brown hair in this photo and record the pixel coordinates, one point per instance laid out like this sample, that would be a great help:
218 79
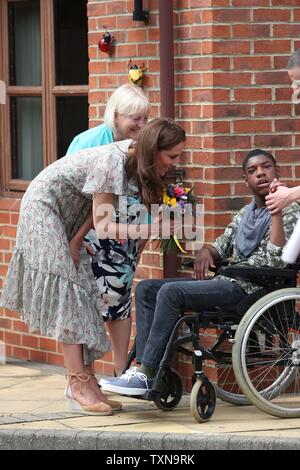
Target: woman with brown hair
125 115
57 297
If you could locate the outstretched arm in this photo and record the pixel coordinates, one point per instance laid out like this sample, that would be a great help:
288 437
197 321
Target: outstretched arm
282 226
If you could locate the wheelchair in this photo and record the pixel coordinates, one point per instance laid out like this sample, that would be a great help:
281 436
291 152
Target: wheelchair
256 353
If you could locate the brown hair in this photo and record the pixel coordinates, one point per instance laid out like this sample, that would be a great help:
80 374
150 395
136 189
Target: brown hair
159 134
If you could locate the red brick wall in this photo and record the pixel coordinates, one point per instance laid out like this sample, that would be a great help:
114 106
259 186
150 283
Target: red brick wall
232 95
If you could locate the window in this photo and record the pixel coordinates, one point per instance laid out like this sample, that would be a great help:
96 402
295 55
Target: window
44 65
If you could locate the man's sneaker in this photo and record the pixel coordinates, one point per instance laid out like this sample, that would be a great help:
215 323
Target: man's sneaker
109 379
104 381
132 382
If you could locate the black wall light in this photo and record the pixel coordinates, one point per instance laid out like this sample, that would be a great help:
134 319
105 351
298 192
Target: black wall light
138 13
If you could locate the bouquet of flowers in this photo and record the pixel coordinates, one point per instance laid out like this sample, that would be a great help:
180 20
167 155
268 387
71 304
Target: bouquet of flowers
176 198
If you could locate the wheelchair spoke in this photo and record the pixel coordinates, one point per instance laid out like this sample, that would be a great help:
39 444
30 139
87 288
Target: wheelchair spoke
266 359
225 384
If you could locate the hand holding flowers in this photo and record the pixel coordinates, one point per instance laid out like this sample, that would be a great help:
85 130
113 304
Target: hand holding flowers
178 200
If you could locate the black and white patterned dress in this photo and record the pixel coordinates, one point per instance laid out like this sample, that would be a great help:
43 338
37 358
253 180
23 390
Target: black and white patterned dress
114 266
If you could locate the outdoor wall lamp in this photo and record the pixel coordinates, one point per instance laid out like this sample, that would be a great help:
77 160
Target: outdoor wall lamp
105 43
138 13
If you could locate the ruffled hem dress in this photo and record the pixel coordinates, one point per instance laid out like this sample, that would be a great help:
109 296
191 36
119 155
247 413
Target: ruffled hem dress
55 297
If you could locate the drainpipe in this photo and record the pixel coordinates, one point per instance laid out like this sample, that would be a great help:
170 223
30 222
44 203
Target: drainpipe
167 94
166 51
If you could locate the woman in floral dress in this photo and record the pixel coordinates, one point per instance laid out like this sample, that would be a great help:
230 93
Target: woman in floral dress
126 113
57 297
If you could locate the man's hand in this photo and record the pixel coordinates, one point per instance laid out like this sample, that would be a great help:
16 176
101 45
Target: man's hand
202 264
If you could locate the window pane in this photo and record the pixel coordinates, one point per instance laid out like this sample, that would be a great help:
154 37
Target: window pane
24 43
26 137
71 42
72 118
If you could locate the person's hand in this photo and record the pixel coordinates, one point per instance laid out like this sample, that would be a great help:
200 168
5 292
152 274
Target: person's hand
202 264
75 246
296 91
165 227
278 200
89 249
175 226
275 184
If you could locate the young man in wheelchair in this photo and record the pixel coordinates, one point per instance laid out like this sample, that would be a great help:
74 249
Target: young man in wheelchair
254 238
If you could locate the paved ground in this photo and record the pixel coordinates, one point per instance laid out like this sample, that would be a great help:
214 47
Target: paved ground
33 416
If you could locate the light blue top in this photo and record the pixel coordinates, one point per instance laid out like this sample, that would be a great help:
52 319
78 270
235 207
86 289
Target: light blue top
99 135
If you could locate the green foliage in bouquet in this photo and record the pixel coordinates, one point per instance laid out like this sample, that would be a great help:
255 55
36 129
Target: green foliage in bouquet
176 197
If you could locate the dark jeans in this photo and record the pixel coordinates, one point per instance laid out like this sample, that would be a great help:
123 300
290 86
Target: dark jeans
160 301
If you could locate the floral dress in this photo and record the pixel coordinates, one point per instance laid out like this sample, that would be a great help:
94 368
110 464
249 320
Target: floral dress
114 266
55 297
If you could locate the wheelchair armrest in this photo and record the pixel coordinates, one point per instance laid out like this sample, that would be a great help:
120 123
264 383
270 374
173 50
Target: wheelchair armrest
189 263
266 277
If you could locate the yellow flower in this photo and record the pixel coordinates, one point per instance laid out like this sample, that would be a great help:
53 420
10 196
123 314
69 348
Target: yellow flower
166 199
173 202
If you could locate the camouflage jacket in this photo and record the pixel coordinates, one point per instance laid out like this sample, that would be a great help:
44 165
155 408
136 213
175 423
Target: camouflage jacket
266 254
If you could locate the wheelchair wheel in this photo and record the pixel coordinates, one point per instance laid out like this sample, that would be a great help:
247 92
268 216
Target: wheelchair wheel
172 397
229 393
226 387
202 400
266 353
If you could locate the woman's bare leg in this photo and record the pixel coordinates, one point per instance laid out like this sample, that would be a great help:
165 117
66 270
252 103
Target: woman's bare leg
85 392
119 332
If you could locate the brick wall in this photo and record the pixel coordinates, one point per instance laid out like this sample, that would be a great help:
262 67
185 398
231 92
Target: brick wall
232 94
